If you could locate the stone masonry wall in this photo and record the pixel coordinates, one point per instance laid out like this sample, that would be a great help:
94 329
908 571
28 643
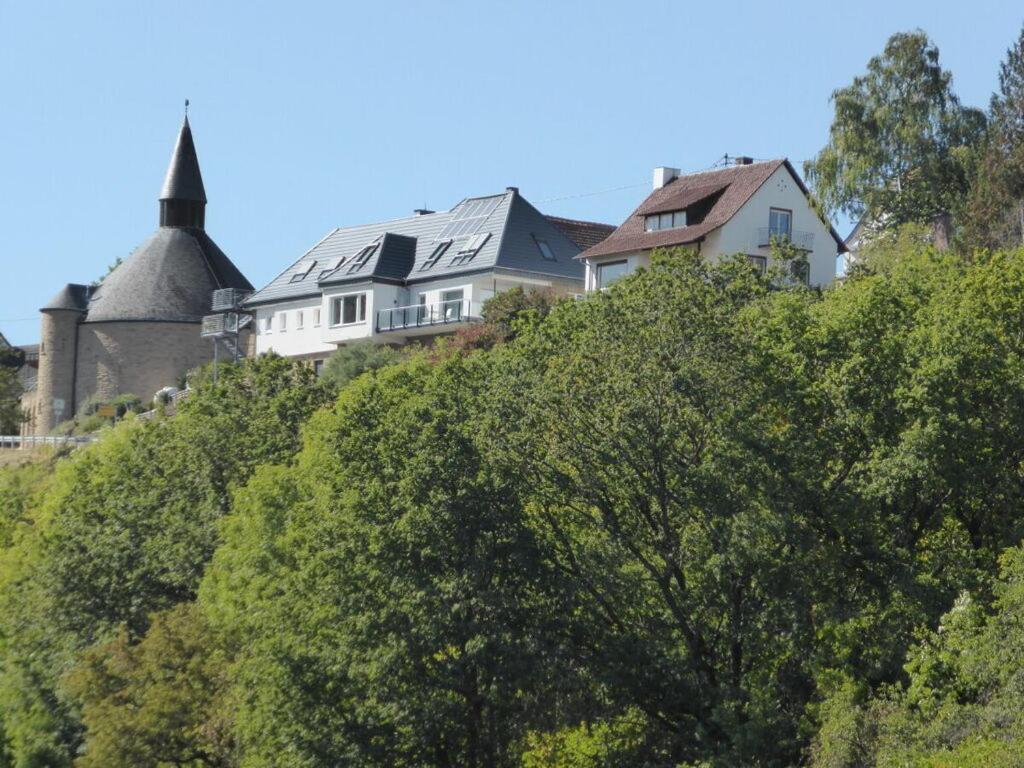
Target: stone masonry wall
139 358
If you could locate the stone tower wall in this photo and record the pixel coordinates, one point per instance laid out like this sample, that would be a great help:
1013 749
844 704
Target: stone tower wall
139 358
56 383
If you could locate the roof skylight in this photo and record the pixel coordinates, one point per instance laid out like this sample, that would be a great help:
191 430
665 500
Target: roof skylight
302 270
470 249
434 257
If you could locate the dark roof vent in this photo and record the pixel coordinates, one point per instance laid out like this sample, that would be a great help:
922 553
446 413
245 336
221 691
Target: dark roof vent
421 212
743 160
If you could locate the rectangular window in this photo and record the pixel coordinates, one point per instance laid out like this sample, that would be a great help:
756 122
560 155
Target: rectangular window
348 310
318 367
282 322
268 323
544 248
300 318
760 263
669 220
316 317
611 271
452 304
780 222
801 271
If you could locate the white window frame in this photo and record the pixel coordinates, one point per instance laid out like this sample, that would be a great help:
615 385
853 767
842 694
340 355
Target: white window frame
300 320
604 265
788 233
316 317
340 300
283 323
268 323
655 222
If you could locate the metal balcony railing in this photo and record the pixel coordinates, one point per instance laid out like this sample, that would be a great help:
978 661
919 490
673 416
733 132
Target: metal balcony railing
802 240
418 315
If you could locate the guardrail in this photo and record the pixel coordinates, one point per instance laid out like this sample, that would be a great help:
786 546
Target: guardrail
418 315
30 441
802 240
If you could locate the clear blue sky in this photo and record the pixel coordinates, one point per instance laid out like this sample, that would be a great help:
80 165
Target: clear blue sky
310 115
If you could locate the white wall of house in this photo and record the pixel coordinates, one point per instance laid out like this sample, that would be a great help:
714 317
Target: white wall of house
740 233
320 340
291 339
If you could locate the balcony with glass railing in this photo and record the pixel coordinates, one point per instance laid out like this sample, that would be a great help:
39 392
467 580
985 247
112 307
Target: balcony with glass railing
804 241
426 316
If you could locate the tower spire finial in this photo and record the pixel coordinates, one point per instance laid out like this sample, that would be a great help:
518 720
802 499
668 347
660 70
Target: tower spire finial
186 108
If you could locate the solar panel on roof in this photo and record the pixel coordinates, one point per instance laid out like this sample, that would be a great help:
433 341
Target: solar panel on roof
468 217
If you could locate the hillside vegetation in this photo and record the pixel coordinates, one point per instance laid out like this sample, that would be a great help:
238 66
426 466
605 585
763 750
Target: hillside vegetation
701 519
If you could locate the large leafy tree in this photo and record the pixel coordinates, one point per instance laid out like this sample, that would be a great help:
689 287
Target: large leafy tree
899 145
385 592
996 207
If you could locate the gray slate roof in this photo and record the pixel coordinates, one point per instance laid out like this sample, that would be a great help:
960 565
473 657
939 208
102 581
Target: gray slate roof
170 277
184 181
508 227
72 296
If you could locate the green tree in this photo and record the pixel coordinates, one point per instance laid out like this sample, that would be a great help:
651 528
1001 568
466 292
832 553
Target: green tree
356 358
996 206
899 144
385 592
11 415
637 418
158 703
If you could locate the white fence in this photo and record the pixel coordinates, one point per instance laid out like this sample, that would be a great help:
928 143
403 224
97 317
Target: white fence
31 441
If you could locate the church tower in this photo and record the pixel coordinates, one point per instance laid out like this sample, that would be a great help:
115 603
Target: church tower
138 330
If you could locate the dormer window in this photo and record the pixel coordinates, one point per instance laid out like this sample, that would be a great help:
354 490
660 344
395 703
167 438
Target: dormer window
669 220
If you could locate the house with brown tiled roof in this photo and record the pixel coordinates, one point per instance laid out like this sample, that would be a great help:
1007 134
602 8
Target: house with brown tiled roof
740 209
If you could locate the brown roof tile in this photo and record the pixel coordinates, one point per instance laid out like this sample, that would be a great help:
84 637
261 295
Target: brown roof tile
734 185
585 234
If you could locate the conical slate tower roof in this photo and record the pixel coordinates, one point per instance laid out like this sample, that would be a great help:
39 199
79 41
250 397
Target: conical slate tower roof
184 181
171 276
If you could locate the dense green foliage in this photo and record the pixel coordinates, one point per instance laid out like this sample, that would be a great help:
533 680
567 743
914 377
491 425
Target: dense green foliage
899 144
10 401
704 518
350 361
121 529
902 149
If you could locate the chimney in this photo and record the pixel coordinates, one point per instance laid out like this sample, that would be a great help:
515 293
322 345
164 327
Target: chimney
421 212
743 160
663 176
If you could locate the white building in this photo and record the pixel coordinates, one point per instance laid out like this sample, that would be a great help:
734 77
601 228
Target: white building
734 210
417 277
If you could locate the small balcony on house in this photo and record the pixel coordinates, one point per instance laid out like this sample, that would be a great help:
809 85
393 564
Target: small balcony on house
803 241
424 319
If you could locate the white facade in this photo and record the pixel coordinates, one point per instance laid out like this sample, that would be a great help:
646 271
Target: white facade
387 314
746 233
